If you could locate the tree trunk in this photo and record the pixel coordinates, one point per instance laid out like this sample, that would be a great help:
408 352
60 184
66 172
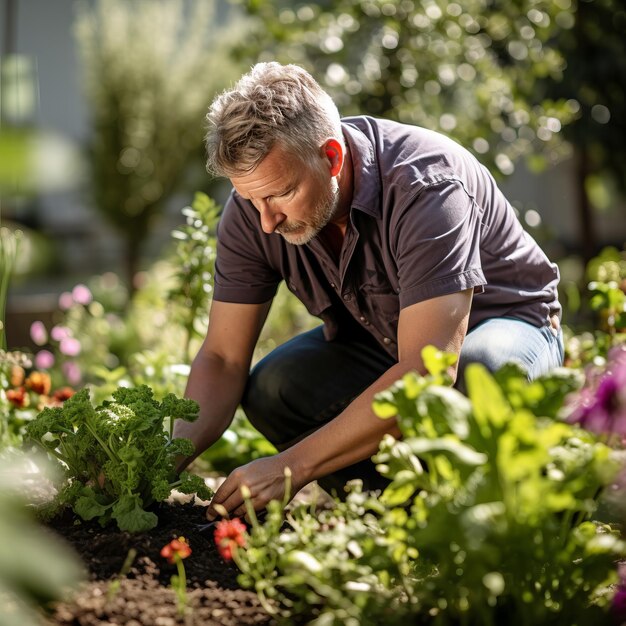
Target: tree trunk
587 237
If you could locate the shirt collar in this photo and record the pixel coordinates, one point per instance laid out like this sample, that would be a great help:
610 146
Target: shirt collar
366 181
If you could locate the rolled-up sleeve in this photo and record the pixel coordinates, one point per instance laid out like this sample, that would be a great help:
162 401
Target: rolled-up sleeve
243 273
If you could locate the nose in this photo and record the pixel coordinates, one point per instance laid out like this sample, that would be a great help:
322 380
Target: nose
270 220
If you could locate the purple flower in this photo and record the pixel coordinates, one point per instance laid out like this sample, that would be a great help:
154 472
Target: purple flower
70 346
58 333
601 405
618 606
66 301
82 295
38 333
44 360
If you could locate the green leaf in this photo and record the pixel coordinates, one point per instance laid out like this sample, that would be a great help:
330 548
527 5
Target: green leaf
462 452
88 507
384 405
400 490
131 516
491 408
437 362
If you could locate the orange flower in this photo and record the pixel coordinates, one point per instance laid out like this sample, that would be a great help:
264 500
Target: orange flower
39 382
176 550
16 377
228 535
63 393
18 397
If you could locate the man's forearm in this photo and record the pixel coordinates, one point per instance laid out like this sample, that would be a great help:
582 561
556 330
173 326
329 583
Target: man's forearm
352 436
218 388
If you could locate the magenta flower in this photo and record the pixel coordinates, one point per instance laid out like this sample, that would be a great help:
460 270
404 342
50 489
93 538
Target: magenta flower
82 295
69 346
38 333
618 606
601 405
66 301
44 360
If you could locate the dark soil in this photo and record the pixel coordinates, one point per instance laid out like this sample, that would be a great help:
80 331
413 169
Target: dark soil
144 596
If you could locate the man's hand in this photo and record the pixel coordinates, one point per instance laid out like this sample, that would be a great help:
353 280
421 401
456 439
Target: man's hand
265 478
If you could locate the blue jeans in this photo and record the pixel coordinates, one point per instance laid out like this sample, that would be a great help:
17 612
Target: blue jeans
307 381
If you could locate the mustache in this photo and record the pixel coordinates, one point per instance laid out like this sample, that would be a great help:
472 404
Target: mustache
286 229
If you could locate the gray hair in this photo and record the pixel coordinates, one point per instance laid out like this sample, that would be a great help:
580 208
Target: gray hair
272 104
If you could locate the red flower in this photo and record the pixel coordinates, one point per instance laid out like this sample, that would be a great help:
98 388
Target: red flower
63 394
228 535
176 550
18 397
39 382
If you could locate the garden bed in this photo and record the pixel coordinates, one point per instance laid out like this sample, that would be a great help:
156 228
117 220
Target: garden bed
144 596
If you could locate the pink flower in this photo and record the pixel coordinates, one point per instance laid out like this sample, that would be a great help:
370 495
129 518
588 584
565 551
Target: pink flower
82 295
69 346
58 333
44 360
38 333
72 372
66 301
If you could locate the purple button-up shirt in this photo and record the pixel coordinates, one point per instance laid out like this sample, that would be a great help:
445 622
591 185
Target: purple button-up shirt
426 220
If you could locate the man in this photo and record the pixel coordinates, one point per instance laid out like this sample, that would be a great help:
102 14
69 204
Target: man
395 236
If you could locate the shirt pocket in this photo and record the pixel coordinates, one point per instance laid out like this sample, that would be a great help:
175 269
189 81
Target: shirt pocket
383 302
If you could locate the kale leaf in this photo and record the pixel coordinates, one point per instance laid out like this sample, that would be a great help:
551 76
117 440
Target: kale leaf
118 457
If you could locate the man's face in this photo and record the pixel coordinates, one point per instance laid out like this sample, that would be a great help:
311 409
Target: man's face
293 199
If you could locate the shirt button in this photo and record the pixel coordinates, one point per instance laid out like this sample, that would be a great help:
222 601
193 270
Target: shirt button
332 285
347 297
386 341
364 320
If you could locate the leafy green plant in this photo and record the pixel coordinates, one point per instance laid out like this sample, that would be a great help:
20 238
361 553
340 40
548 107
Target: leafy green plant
195 262
487 519
9 243
606 300
119 459
607 275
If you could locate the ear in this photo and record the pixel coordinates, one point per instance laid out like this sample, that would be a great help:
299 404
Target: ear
333 153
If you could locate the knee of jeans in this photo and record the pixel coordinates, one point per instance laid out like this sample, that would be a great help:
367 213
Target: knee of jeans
263 394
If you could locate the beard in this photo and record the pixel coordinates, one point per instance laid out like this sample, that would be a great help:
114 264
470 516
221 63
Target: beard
299 233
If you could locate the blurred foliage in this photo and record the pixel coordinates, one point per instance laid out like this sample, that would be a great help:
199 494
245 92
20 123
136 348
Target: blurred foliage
9 242
35 567
150 69
470 69
459 536
605 303
195 252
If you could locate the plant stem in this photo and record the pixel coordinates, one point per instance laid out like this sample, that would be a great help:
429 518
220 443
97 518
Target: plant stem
181 587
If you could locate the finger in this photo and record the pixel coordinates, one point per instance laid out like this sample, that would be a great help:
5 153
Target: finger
227 497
